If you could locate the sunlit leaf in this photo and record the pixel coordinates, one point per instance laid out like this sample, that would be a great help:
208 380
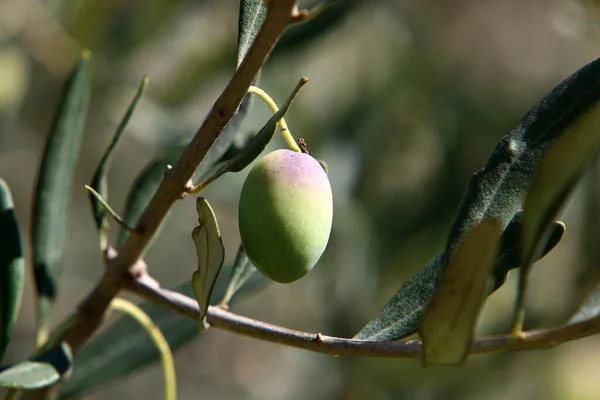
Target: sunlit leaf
496 191
12 267
41 372
99 180
210 252
252 15
448 322
53 189
554 181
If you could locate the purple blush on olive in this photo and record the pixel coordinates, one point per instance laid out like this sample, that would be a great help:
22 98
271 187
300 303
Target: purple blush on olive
285 214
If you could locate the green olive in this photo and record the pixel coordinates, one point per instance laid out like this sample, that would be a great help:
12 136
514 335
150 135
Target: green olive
285 214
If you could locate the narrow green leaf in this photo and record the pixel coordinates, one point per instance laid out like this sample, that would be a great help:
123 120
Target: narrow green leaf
124 348
590 308
496 191
448 323
240 273
41 372
99 180
12 267
53 189
252 15
211 253
256 145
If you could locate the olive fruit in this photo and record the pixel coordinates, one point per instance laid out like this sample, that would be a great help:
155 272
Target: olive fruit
285 214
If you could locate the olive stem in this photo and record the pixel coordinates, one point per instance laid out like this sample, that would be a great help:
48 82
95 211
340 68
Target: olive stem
148 288
287 135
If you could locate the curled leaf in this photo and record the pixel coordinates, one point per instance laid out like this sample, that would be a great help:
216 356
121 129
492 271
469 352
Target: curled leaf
211 253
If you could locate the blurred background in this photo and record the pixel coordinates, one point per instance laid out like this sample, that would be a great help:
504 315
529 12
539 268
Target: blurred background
406 100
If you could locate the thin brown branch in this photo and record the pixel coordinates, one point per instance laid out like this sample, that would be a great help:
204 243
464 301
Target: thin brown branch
150 289
172 187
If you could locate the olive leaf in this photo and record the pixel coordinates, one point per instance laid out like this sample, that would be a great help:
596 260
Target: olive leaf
12 267
255 145
497 191
43 371
99 180
53 191
558 174
448 322
211 253
252 15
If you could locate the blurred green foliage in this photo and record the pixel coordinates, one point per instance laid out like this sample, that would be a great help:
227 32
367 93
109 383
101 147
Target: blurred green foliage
406 100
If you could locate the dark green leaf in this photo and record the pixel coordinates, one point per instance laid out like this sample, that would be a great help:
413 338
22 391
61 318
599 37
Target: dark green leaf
53 189
590 308
240 273
124 347
496 191
252 15
210 253
448 322
99 180
12 267
41 372
254 146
